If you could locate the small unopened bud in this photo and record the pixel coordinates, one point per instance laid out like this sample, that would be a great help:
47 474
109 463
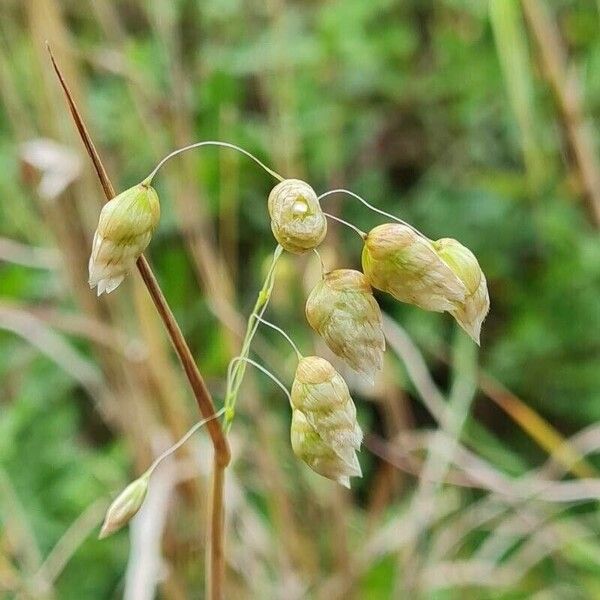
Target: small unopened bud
297 221
125 506
399 261
124 231
324 433
342 310
471 312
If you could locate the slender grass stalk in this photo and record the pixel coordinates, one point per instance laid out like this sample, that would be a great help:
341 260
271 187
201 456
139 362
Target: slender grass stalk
222 453
318 254
236 376
360 232
215 549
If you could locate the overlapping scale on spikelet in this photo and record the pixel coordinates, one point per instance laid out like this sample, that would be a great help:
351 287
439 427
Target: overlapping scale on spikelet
342 310
124 231
324 433
471 312
399 261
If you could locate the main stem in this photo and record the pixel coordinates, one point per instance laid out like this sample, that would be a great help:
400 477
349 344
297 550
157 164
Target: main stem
215 552
215 565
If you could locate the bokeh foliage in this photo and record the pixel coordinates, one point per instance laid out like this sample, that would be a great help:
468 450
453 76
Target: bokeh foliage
437 111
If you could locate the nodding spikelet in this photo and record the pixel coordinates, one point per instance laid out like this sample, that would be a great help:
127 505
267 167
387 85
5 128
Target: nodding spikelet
440 276
125 229
125 506
342 310
297 221
399 261
324 432
471 312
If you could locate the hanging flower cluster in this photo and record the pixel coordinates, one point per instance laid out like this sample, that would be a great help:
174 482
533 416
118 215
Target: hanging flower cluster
438 275
441 276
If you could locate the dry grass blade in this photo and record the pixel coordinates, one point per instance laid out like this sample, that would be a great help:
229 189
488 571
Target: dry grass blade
47 341
530 421
537 427
568 98
27 256
70 541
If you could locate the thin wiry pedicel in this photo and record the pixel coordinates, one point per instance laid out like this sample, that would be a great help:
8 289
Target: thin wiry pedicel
342 310
324 432
124 231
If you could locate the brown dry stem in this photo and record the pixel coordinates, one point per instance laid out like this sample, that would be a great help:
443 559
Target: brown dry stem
565 87
215 565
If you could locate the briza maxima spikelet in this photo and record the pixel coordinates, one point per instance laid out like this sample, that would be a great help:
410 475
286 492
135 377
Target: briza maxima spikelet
471 312
399 261
324 433
439 276
297 221
124 231
125 506
342 310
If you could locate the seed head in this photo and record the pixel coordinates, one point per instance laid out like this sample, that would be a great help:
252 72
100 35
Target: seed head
124 231
399 261
125 506
342 310
471 312
297 221
324 433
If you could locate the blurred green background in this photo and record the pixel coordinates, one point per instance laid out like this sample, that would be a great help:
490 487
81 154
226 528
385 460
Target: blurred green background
470 119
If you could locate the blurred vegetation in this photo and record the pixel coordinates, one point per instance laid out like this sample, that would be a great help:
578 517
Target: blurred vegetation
471 119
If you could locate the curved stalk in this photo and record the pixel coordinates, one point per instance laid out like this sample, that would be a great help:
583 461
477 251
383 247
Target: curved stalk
283 333
182 440
370 207
360 232
265 371
150 177
237 373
